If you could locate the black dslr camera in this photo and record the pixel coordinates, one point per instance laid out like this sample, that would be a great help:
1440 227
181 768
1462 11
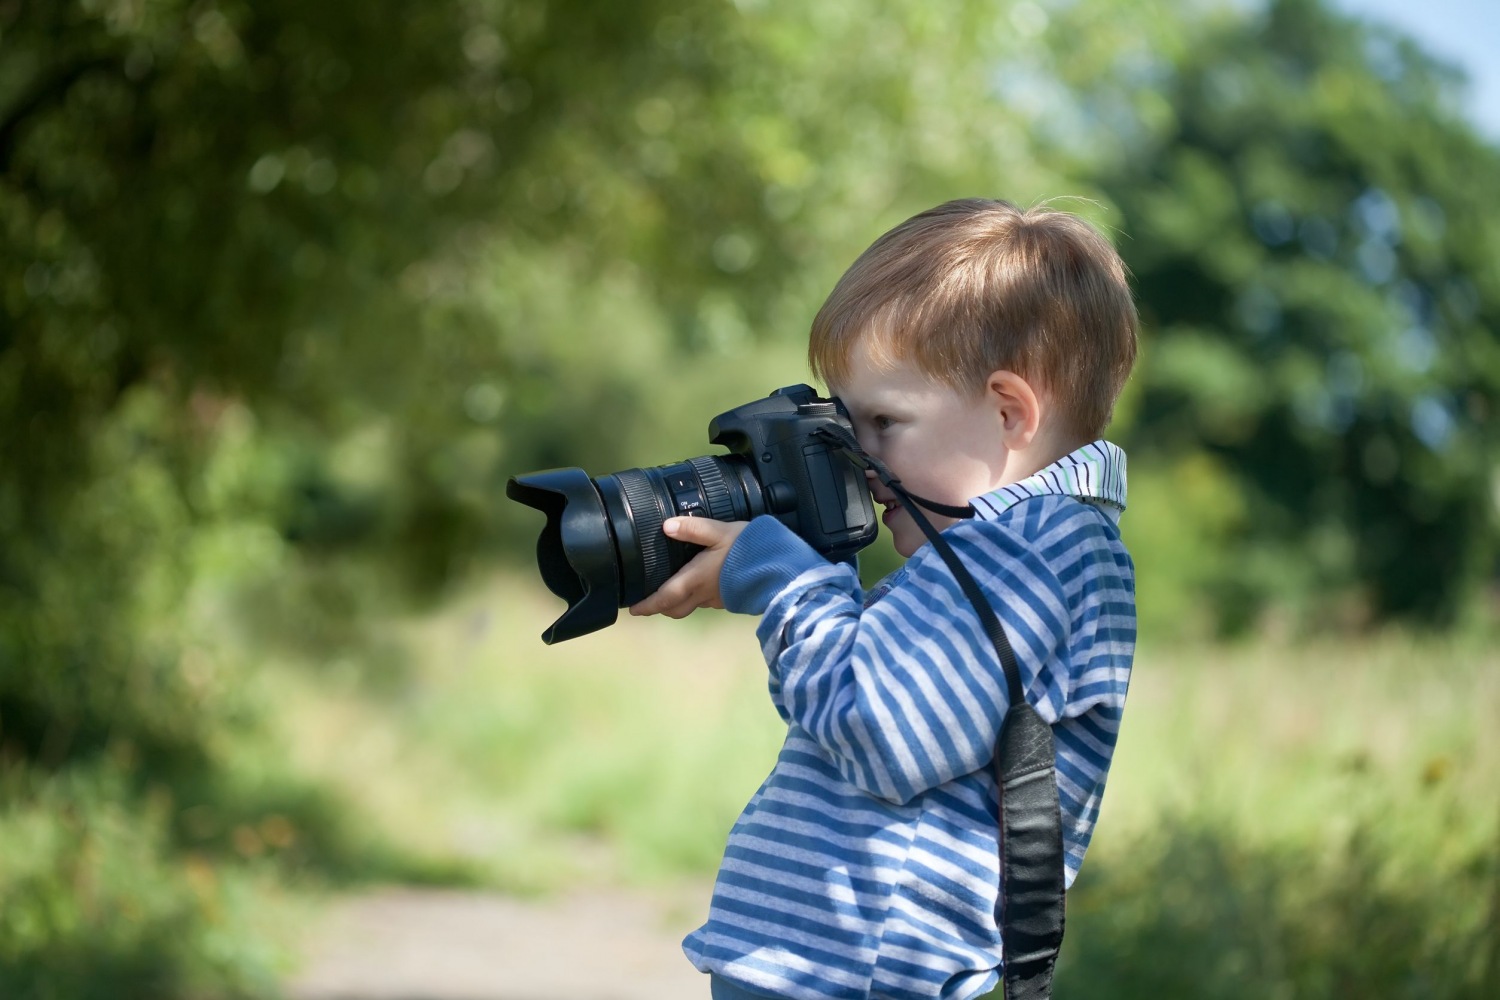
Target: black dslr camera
603 548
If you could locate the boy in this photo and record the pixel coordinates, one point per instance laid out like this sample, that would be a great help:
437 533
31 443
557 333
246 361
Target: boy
979 349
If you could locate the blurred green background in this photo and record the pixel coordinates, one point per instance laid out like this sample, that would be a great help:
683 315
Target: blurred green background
289 289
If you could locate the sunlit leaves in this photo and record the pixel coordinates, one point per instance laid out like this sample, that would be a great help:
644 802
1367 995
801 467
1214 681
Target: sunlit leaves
1312 219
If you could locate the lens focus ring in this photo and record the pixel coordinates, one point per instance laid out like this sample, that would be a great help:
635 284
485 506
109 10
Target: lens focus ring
715 489
645 513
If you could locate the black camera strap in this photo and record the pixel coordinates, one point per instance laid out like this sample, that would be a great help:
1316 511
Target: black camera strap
1025 763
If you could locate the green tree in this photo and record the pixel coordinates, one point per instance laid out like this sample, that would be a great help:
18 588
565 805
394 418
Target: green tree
288 288
434 222
1313 233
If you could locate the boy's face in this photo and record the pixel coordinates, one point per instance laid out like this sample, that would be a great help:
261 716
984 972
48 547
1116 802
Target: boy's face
942 444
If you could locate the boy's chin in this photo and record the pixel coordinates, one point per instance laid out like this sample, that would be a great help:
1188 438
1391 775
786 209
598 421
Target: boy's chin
904 544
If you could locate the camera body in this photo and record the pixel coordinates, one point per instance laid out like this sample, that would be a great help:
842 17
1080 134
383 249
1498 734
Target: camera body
807 485
603 548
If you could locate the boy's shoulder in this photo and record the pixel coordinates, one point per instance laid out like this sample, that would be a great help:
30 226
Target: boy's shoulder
1050 544
1038 516
1052 525
1052 529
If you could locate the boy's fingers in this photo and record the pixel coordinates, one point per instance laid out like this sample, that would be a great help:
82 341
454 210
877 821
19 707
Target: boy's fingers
680 605
680 610
667 604
656 604
681 591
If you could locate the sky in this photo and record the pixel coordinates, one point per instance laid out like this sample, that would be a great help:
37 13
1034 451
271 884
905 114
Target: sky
1463 32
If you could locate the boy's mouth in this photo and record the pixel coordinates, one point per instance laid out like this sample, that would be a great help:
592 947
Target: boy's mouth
892 508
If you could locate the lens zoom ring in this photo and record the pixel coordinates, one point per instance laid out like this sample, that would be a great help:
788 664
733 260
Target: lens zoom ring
715 489
645 513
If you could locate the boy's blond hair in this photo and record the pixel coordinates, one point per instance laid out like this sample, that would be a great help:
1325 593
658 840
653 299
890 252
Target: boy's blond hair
975 286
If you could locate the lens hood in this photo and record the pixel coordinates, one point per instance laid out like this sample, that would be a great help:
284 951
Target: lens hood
575 551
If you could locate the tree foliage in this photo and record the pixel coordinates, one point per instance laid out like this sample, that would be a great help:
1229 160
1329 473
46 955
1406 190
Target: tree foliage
289 288
400 242
1313 236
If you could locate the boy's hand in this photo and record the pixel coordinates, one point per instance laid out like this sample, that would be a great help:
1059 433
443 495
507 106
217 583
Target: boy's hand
696 585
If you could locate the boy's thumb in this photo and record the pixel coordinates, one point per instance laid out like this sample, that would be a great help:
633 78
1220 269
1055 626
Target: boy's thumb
698 530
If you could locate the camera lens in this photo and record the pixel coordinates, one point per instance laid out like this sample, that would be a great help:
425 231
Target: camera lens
638 501
603 547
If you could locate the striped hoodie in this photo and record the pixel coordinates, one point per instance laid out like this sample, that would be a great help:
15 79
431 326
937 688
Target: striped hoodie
866 865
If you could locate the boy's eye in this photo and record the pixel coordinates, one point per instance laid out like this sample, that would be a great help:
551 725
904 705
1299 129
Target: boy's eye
881 423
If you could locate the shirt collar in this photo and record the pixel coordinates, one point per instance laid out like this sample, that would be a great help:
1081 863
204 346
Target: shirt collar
1094 474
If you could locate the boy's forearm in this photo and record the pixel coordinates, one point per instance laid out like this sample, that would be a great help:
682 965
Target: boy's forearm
770 565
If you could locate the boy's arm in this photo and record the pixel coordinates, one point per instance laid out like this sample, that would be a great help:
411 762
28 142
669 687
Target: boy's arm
906 694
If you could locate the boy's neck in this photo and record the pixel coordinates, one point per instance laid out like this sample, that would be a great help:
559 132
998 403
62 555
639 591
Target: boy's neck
1043 451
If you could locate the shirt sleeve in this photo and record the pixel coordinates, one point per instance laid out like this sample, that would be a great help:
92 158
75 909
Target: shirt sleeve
908 693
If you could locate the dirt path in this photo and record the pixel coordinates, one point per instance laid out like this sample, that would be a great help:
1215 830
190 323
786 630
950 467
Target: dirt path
421 944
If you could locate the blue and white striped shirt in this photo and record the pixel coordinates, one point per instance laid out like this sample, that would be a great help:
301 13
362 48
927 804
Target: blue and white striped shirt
866 866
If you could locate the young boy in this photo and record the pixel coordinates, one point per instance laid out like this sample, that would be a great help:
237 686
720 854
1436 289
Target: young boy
979 349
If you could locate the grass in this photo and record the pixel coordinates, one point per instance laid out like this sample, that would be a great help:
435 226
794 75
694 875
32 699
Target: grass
620 756
1311 820
651 734
1390 737
97 905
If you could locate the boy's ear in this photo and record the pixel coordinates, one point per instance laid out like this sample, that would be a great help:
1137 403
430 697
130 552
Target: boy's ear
1018 406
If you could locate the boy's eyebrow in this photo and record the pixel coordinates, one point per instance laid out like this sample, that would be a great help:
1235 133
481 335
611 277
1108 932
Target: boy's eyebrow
861 405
